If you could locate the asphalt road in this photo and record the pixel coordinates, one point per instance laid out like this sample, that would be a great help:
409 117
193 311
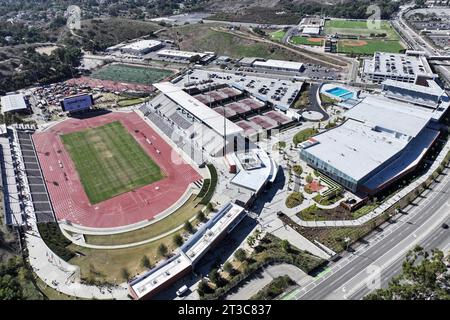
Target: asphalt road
438 238
384 251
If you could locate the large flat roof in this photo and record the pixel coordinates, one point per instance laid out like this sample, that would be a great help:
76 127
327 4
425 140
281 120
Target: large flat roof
13 102
158 276
354 148
210 232
376 130
199 110
142 44
180 54
254 178
403 118
279 64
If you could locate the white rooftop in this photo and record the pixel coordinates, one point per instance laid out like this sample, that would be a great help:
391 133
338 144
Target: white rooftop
160 275
279 64
377 129
199 110
403 118
311 30
180 54
254 179
190 252
354 148
13 102
209 235
142 44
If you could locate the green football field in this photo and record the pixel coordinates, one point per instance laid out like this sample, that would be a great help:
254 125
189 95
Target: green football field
360 28
130 74
109 161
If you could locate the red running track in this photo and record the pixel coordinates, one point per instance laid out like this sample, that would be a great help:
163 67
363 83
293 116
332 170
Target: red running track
68 197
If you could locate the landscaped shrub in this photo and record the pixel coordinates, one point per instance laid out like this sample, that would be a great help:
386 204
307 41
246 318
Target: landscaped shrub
294 199
204 189
297 169
276 287
55 240
212 187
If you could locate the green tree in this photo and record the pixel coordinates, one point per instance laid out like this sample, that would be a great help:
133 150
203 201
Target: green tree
203 288
424 277
251 241
201 216
162 250
215 277
125 273
145 262
188 227
178 240
240 255
228 267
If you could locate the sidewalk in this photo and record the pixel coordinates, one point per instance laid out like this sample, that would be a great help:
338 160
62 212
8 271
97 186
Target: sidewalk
59 274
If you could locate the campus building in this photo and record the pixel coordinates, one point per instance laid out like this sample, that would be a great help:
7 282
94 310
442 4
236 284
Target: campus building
427 94
141 47
395 66
169 271
177 55
311 26
279 65
13 103
381 141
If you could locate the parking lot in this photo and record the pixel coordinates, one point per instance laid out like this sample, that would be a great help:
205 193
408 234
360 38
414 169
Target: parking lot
280 92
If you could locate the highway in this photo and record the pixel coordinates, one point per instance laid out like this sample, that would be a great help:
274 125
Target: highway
356 274
417 42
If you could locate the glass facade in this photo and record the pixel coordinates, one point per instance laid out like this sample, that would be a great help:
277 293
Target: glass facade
338 176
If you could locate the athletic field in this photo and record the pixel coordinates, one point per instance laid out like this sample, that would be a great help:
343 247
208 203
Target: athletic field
360 28
130 74
109 161
368 47
307 41
278 35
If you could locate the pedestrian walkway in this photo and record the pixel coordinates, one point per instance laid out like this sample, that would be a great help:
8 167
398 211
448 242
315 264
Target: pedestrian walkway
60 275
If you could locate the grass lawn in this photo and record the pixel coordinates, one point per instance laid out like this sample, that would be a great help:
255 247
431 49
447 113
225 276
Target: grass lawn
359 28
277 35
130 102
307 41
131 74
304 135
110 161
369 47
106 265
200 37
177 218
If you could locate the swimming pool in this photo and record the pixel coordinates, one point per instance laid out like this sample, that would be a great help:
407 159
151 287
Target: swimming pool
340 93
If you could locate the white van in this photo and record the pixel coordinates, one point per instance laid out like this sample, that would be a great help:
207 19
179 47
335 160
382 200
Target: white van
182 290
